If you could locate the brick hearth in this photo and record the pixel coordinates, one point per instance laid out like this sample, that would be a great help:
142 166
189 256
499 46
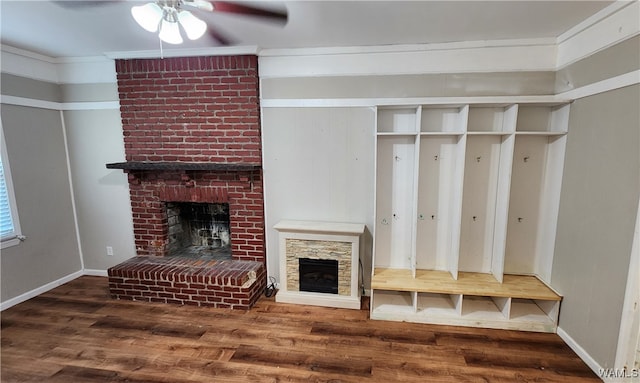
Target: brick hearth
221 284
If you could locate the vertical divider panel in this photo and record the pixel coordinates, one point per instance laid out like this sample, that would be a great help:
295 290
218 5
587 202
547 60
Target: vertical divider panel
502 195
416 183
559 119
456 196
414 300
550 198
549 206
551 308
375 193
457 302
503 304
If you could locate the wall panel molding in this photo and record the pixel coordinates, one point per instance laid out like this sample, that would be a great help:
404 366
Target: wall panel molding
42 104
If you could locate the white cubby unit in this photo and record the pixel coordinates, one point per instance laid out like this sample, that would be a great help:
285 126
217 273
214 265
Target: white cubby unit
466 204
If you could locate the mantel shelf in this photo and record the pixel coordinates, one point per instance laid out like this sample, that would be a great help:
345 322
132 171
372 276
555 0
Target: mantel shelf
197 166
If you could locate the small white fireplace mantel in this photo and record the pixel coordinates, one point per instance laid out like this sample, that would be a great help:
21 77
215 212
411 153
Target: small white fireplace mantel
323 241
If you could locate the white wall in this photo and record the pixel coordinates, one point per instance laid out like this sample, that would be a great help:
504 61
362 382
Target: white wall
36 151
79 207
102 195
318 166
598 205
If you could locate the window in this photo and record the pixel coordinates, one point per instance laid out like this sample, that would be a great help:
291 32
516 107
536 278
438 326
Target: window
9 224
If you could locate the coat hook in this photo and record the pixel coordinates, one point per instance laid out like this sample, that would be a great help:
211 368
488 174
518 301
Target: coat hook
526 159
435 157
396 158
519 219
474 218
433 216
478 159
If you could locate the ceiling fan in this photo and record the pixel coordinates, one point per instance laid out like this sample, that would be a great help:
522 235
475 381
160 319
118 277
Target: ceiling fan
172 17
167 16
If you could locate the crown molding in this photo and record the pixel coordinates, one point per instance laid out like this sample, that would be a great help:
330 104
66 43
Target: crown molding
68 70
266 52
470 57
593 19
152 54
612 25
28 64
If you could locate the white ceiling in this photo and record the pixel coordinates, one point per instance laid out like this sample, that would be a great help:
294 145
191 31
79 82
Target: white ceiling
48 28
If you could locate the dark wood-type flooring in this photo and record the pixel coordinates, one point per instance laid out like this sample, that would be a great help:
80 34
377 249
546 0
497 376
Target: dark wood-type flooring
76 333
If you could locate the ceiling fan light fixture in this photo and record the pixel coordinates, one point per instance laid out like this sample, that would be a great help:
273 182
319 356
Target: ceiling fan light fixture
148 16
193 26
170 32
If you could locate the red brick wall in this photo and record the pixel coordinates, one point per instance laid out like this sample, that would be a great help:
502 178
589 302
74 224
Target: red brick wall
197 109
200 109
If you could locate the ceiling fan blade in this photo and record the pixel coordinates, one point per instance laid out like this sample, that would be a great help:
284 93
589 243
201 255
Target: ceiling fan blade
221 38
81 4
200 4
227 7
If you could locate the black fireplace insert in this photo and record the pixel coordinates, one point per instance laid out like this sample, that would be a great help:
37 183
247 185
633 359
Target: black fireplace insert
318 275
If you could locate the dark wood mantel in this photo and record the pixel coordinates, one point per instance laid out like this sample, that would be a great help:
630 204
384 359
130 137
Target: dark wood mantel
197 166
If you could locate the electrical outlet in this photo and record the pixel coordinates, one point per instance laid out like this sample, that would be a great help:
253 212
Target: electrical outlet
109 251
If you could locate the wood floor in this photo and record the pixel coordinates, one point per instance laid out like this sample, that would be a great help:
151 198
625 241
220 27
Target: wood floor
75 333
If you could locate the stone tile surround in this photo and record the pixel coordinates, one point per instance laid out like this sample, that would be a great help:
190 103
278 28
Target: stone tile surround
313 249
320 240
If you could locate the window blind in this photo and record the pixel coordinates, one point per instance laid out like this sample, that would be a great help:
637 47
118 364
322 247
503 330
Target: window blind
6 222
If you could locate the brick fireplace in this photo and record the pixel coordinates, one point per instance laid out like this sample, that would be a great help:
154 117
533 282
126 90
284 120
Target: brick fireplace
192 134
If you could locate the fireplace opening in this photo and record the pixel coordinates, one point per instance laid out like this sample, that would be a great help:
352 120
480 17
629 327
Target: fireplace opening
199 230
318 275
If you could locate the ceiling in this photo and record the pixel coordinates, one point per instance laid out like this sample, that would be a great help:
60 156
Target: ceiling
56 29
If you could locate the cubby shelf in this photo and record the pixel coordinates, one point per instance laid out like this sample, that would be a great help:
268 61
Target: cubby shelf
470 194
478 284
489 133
520 302
396 134
427 134
547 134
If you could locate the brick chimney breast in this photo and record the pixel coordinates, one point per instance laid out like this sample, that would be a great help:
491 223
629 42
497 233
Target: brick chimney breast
193 110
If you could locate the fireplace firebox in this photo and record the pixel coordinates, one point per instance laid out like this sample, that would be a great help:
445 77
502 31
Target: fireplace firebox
318 275
199 230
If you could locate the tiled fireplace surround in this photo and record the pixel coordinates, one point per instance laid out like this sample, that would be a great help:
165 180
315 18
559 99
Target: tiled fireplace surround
192 134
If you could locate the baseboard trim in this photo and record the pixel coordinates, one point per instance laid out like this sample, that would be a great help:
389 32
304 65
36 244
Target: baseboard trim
40 290
582 353
95 273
